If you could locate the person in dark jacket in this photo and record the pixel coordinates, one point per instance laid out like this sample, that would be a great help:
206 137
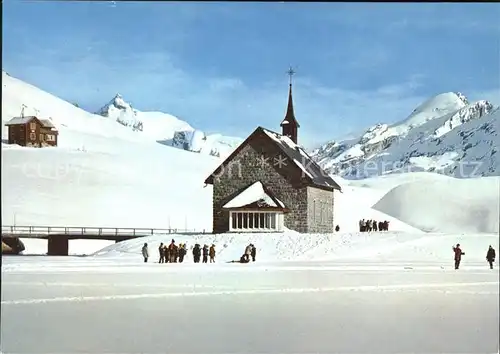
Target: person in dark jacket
337 228
145 252
253 252
171 251
176 253
167 254
182 252
458 255
161 250
196 253
490 256
205 254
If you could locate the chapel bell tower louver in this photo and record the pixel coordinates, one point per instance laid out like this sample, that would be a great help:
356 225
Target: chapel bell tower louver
290 125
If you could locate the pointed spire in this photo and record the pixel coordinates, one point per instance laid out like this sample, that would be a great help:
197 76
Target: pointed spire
289 124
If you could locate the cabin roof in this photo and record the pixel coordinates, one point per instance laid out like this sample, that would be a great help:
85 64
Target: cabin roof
47 123
25 120
20 120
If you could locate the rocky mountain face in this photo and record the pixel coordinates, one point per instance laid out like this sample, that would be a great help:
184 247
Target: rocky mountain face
168 129
445 134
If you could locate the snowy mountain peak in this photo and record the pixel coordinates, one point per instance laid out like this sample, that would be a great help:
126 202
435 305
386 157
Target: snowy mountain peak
116 103
167 129
462 97
417 141
435 107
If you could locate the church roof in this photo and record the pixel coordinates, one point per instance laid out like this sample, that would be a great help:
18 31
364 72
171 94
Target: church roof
301 159
255 193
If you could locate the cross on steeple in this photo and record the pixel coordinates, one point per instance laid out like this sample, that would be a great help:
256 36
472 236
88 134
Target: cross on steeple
290 73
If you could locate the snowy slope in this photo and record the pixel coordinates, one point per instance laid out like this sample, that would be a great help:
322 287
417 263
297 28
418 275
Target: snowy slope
446 204
168 129
78 128
105 174
443 134
102 173
361 247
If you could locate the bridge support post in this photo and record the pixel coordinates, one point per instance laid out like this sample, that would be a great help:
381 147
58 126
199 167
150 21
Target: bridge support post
58 245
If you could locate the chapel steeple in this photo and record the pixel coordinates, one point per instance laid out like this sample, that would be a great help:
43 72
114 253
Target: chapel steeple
290 125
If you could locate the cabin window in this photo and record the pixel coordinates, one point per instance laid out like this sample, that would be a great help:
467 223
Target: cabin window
33 126
41 137
32 136
50 137
251 221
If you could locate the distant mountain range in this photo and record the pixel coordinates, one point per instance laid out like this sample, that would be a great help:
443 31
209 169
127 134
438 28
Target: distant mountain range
446 134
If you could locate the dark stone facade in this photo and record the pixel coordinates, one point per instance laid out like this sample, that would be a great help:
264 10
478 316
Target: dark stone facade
284 181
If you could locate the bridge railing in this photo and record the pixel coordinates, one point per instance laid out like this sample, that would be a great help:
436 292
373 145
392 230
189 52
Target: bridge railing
104 231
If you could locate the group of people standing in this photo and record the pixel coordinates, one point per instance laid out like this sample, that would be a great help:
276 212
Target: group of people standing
205 252
373 225
173 253
490 255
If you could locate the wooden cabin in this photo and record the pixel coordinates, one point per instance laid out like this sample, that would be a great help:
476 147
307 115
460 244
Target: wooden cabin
31 131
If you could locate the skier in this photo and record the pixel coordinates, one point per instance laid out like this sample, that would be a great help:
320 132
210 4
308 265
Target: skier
145 252
490 256
458 255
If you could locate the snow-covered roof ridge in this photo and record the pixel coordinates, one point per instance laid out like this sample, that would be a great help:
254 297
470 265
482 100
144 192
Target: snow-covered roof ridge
302 160
255 193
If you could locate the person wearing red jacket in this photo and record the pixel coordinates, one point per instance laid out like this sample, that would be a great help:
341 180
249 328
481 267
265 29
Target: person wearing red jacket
458 255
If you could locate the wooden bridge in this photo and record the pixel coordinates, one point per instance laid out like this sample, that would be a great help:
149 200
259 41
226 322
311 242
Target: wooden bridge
58 236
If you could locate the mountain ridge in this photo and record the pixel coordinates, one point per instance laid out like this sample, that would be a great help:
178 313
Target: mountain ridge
167 129
446 134
388 148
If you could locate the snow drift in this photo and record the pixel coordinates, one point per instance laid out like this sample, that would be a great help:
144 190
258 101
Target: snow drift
291 246
446 205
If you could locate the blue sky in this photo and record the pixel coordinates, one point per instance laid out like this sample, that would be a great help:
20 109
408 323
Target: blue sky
222 66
